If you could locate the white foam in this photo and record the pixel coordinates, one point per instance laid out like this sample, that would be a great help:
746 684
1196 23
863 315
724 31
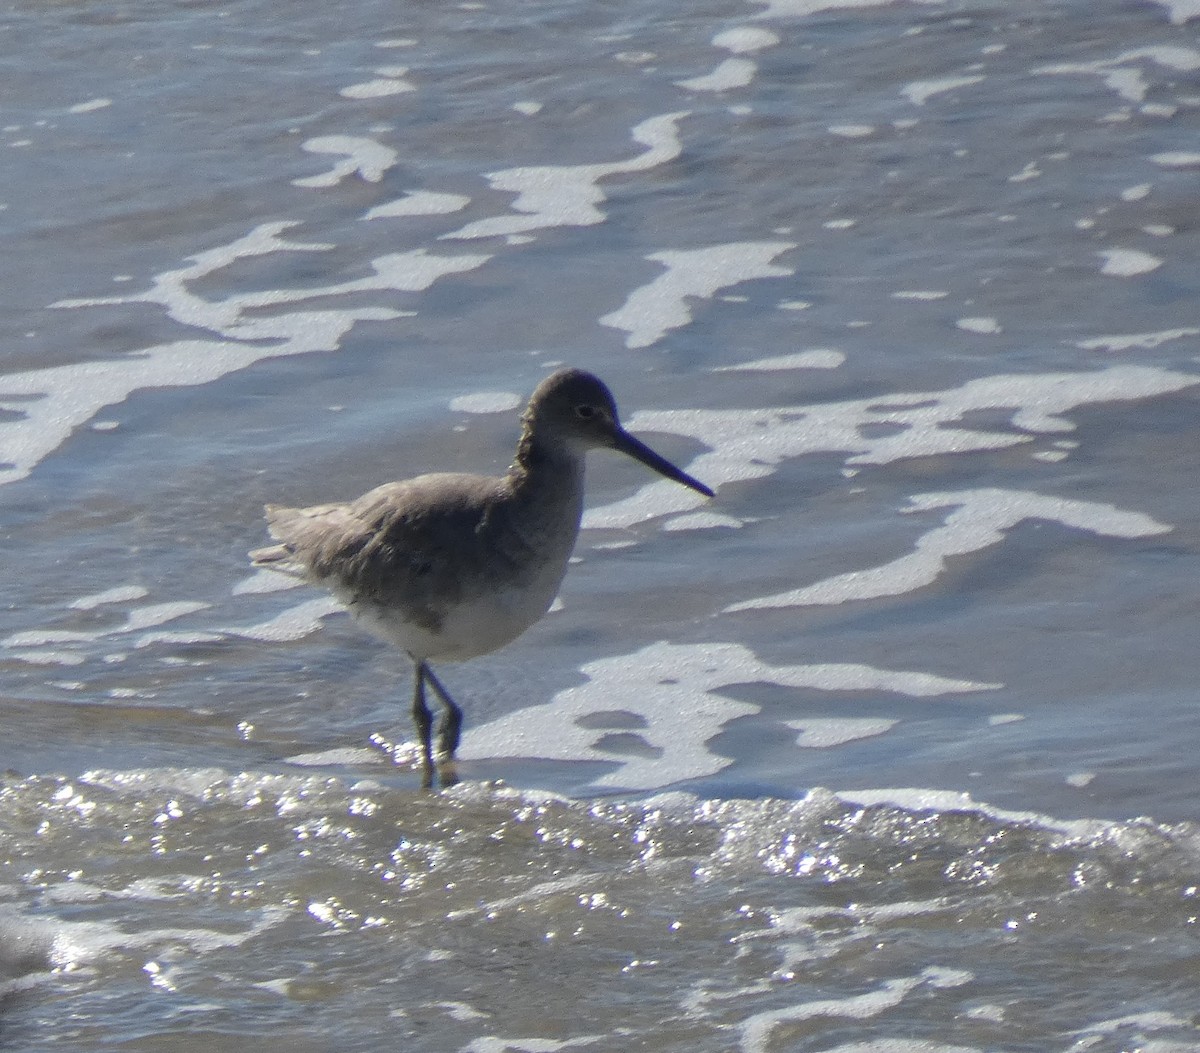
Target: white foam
412 271
785 9
1177 159
745 40
90 106
646 691
919 92
263 581
902 1045
486 402
537 893
117 594
136 620
814 358
462 1011
159 613
652 310
52 402
920 294
1142 190
346 756
1150 1020
982 326
1180 11
852 131
992 1013
495 1044
292 624
982 518
923 799
1142 340
528 108
1030 171
48 657
757 1030
66 397
568 195
1128 263
78 942
1129 83
420 203
176 637
363 157
730 73
702 520
389 82
824 732
750 443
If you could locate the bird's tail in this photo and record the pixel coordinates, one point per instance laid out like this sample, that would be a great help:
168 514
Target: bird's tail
271 556
276 557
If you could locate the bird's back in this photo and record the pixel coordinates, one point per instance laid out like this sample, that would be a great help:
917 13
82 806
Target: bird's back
445 565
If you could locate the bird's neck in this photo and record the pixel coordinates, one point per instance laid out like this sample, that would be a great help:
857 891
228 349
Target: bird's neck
552 471
545 487
536 456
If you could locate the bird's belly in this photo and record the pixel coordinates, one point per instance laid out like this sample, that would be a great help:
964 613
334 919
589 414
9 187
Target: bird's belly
462 630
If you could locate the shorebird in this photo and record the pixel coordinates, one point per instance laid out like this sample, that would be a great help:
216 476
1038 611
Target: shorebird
450 566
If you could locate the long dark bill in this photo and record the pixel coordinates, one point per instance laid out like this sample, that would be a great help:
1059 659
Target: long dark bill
639 451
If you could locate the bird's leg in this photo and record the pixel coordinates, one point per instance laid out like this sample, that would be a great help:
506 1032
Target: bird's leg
423 719
449 732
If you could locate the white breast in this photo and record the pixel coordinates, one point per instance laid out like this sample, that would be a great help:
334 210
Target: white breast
477 626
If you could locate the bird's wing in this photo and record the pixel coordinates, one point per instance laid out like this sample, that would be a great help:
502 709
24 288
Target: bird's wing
396 540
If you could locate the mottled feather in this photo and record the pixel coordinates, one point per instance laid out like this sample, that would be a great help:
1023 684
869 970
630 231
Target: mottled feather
453 565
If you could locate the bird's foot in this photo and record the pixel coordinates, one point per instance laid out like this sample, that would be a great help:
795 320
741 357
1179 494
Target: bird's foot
447 771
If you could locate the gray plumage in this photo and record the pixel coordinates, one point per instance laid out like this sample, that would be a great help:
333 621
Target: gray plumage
450 566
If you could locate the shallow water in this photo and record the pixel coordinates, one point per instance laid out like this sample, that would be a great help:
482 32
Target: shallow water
274 909
886 747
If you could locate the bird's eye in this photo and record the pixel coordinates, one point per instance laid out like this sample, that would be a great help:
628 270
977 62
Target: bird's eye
585 411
